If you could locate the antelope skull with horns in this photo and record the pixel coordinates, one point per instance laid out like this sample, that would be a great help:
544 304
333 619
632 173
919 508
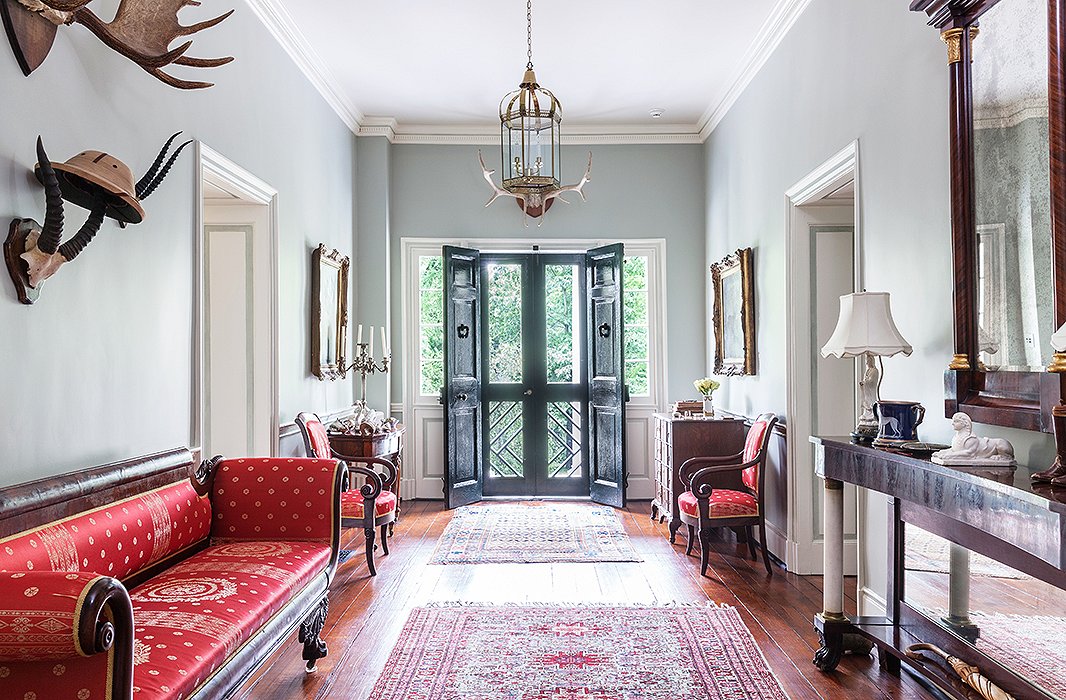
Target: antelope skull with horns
94 180
142 31
535 204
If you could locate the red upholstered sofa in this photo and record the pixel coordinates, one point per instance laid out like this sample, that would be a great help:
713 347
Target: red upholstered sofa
134 580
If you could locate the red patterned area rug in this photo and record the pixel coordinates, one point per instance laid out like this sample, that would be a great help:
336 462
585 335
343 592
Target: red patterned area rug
533 532
474 652
1035 645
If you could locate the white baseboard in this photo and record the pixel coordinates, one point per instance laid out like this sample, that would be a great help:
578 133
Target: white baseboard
777 543
807 559
872 604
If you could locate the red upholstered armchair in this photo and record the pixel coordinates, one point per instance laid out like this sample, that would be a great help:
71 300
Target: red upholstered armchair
704 507
370 507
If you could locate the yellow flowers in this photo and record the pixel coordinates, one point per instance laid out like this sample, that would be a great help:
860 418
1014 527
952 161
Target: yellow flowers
706 386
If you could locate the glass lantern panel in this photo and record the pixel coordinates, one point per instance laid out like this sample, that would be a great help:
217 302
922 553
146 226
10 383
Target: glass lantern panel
557 151
538 155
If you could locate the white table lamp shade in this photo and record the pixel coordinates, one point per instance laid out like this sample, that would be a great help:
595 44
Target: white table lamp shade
1058 339
865 326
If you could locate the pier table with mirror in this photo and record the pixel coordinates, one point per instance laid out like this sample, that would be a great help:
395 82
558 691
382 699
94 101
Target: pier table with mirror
977 563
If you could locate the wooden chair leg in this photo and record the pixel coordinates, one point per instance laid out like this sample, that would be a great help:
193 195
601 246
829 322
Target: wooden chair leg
370 550
751 542
765 551
705 549
385 539
691 540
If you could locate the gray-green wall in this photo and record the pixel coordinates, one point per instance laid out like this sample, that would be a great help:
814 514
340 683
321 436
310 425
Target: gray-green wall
849 70
100 369
638 191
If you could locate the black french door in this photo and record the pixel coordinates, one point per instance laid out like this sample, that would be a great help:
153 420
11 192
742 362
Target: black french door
533 386
534 405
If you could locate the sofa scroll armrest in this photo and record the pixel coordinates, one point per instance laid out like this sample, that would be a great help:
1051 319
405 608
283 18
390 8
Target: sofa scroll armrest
277 499
60 615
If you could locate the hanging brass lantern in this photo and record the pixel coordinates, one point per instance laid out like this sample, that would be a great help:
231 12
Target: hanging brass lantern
530 143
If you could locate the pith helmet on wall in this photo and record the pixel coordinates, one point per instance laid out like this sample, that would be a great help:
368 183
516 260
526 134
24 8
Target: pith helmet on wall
94 180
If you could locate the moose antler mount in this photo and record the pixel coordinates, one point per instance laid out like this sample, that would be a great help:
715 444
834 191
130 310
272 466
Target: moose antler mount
142 31
94 180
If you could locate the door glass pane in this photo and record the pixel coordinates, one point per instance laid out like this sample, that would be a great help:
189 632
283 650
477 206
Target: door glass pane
564 440
505 439
505 323
561 322
430 323
635 310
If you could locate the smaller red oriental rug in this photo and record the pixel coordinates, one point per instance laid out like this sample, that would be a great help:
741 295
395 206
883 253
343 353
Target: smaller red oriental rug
475 652
534 532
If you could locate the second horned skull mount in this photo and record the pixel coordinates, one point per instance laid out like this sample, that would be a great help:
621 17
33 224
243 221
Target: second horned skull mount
94 180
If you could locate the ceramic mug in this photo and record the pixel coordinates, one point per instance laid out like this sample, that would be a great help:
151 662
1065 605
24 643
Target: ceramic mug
898 421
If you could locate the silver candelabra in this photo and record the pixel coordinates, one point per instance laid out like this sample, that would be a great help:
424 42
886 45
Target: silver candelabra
365 364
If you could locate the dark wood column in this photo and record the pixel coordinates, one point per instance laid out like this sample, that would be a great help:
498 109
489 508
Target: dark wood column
959 42
1057 133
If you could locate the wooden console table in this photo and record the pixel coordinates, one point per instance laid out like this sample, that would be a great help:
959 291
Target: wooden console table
387 445
680 439
994 511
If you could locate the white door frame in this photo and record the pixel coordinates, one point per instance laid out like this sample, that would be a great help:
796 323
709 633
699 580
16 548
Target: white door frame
803 549
423 415
212 165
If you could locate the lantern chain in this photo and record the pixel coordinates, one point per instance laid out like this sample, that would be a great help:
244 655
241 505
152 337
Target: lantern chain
529 34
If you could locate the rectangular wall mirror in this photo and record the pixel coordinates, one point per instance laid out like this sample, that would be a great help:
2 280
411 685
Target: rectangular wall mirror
329 313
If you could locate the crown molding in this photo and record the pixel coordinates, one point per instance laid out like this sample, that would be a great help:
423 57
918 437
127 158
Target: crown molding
280 24
489 134
777 25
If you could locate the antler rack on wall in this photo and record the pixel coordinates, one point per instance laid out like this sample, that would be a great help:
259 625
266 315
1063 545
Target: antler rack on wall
142 31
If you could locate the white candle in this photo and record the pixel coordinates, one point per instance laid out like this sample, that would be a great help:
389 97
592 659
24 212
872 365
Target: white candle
370 350
384 343
359 340
389 336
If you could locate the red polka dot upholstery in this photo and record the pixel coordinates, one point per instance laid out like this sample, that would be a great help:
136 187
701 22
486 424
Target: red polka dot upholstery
284 499
752 445
71 678
724 503
40 622
352 504
117 540
189 619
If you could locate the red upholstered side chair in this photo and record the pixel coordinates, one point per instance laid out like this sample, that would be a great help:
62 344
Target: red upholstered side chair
704 507
370 507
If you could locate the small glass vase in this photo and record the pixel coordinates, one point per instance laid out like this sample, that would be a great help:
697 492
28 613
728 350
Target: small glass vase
708 406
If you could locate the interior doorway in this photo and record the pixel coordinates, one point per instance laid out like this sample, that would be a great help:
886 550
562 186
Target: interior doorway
823 243
237 378
534 387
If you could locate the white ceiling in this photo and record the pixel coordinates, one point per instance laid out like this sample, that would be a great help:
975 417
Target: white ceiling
447 64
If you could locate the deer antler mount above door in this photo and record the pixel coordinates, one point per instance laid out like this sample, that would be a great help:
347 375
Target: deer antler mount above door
142 31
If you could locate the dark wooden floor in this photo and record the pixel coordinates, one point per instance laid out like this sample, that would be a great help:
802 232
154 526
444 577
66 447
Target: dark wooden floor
367 614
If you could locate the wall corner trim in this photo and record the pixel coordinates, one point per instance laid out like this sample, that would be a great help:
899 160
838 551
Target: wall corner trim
773 31
280 24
